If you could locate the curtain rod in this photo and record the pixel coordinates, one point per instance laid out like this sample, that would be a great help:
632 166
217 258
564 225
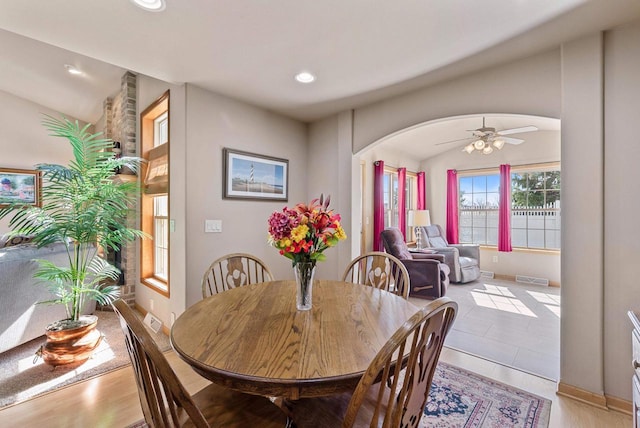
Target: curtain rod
553 164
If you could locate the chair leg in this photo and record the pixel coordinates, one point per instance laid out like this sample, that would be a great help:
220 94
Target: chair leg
286 407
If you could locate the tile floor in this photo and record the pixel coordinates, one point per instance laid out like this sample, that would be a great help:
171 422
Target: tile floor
514 324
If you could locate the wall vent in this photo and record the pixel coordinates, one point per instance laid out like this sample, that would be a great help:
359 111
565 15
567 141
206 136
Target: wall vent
486 274
154 323
532 280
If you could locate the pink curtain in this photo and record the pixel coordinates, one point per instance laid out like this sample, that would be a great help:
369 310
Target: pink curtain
378 204
452 206
504 216
402 203
422 195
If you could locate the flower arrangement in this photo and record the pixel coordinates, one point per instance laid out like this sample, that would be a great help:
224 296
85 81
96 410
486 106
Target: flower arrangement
303 233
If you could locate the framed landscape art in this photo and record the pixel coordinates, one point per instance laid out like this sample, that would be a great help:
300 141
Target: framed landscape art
19 185
257 177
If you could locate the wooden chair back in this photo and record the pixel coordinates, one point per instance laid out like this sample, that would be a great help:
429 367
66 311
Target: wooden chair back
162 397
380 270
234 270
394 395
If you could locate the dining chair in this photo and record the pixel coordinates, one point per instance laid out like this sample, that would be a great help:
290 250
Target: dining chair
389 395
166 403
234 270
380 270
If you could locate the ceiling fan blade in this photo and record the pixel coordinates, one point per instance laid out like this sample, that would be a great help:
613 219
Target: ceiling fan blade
510 140
455 141
517 130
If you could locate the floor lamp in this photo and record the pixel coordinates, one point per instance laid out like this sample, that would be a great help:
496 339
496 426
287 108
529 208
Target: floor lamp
418 219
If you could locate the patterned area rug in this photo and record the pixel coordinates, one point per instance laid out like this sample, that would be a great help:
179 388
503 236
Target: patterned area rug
459 398
23 376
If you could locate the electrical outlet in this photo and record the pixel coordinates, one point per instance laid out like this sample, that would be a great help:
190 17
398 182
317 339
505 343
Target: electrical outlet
150 305
495 259
172 318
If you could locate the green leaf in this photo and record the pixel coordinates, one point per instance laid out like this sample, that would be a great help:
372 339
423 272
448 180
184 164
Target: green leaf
84 208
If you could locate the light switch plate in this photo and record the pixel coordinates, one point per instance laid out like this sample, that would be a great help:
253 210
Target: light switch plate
213 226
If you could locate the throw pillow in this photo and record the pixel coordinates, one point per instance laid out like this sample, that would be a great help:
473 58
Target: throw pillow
17 240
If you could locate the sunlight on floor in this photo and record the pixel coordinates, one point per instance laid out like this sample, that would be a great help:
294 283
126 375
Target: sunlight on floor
501 303
550 301
496 289
103 354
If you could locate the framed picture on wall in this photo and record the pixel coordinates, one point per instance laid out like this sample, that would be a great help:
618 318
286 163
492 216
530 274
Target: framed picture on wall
256 177
19 186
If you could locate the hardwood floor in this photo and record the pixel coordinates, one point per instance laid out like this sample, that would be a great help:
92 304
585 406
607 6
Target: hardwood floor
111 400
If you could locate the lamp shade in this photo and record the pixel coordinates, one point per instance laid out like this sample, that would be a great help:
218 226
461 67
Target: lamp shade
419 218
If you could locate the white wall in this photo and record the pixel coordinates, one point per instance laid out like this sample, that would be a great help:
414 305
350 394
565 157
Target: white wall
214 122
329 172
621 202
201 124
529 86
539 147
24 142
581 351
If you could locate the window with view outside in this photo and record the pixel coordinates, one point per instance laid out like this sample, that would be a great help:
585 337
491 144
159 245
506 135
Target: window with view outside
390 193
390 186
535 209
154 207
161 237
479 197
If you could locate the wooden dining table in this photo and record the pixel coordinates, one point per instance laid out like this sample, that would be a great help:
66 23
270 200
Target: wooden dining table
254 340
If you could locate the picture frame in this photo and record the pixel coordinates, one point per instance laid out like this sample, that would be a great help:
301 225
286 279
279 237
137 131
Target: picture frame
254 177
21 186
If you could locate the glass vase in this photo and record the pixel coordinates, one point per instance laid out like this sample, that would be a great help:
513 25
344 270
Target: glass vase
303 273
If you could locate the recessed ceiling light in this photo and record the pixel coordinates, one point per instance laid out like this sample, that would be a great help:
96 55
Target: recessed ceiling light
305 77
150 5
71 69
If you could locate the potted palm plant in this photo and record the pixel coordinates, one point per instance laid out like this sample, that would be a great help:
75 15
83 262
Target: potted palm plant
86 209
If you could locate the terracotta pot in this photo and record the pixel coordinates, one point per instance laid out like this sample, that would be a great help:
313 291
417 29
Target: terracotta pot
71 342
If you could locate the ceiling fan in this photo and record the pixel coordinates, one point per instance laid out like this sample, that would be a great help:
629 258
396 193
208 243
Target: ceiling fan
486 138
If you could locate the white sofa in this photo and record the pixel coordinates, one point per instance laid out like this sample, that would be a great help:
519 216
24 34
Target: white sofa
21 319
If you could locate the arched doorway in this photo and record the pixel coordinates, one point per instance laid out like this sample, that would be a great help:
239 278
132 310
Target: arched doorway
515 323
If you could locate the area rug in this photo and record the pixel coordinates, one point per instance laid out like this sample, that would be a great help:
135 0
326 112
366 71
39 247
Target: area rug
24 376
459 398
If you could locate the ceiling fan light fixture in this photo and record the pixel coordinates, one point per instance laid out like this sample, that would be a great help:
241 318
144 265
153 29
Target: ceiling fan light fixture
487 150
498 144
469 148
479 144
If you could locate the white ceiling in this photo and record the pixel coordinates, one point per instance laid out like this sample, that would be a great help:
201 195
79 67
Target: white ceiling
360 50
432 138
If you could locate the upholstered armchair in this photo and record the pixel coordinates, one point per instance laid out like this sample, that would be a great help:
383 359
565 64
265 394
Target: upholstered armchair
428 275
463 260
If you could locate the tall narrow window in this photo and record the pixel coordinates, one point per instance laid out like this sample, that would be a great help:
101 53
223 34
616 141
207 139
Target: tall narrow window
161 237
154 135
390 192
